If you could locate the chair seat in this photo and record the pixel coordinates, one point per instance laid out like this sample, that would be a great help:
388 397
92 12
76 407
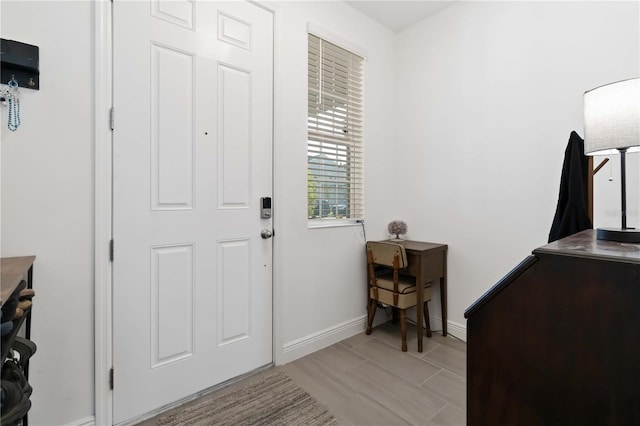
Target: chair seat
406 298
406 283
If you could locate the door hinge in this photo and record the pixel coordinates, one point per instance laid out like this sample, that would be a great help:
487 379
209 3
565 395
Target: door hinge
111 250
111 379
111 118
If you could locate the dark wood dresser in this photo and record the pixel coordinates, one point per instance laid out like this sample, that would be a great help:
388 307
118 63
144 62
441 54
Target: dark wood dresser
13 270
557 340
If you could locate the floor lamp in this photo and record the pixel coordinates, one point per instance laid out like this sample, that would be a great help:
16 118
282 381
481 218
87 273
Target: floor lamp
612 125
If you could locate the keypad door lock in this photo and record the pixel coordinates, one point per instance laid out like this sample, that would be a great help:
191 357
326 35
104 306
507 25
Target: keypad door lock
265 207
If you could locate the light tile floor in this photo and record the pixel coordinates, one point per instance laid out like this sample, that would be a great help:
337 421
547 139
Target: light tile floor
369 381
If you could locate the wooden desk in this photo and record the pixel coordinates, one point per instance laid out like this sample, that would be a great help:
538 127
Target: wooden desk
427 262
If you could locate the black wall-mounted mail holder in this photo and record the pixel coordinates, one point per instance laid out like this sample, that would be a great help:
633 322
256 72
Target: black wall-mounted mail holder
20 61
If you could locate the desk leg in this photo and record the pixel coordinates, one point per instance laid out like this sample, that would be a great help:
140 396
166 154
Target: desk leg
443 304
420 304
443 293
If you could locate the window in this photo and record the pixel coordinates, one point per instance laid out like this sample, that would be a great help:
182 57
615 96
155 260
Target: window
334 142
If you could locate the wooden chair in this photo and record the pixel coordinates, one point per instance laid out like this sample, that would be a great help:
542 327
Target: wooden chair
387 285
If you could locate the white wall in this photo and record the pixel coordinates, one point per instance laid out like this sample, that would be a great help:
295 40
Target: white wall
47 201
489 93
320 273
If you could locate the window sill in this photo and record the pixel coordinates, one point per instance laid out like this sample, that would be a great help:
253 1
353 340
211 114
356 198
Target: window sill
333 223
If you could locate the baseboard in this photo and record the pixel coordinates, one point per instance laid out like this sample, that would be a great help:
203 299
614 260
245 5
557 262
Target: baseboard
458 331
327 337
323 338
87 421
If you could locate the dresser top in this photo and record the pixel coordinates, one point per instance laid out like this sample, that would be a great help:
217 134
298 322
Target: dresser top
585 244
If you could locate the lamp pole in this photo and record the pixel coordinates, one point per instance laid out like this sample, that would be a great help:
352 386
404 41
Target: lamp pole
623 185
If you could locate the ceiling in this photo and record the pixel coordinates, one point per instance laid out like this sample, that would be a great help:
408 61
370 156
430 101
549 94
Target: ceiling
398 15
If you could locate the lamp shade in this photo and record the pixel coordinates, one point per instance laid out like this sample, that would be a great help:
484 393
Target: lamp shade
612 118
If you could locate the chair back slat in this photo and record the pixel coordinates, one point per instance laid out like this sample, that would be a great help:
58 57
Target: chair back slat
372 274
384 253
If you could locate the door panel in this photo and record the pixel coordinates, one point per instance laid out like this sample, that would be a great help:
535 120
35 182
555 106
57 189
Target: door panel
172 303
234 291
192 151
234 138
172 127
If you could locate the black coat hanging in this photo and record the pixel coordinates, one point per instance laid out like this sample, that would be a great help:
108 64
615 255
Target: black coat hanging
572 213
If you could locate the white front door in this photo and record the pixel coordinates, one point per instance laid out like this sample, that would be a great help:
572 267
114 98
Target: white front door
192 299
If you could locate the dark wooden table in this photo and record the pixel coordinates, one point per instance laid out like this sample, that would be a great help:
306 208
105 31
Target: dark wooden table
427 262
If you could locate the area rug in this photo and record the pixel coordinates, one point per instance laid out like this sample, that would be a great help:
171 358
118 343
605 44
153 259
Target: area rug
272 400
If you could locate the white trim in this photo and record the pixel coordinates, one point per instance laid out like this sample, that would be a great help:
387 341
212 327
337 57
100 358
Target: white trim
103 60
314 342
323 338
336 39
277 290
267 5
455 329
337 223
87 421
276 318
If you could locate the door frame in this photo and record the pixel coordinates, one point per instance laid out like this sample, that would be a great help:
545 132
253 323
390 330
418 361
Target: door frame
103 204
103 93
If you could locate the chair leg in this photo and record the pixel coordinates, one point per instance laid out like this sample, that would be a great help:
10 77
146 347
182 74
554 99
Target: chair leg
371 313
403 328
426 319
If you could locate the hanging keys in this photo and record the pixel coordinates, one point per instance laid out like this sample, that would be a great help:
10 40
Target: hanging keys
10 95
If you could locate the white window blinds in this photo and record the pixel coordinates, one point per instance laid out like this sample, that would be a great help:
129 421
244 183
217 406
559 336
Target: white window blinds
334 145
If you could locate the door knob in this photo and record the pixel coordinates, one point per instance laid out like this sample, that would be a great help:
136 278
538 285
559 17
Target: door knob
266 234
